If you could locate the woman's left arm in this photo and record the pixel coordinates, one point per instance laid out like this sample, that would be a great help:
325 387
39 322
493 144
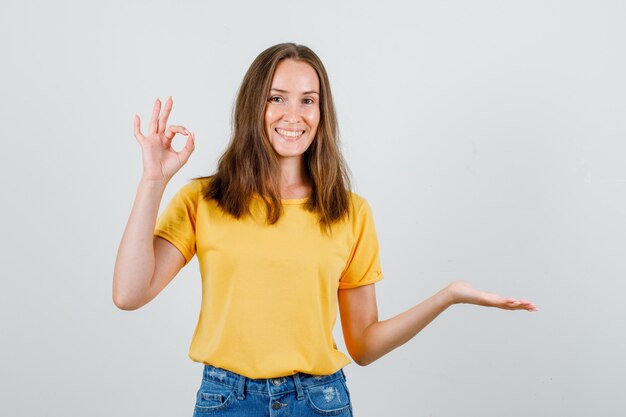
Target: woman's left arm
368 339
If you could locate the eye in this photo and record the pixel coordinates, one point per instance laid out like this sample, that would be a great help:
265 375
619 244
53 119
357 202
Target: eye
275 99
308 101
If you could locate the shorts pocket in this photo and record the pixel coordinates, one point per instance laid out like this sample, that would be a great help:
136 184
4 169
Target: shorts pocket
329 399
213 396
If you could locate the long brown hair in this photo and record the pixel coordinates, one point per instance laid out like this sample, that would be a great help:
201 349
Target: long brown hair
250 165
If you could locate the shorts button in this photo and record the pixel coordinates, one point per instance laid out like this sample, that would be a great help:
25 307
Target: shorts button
278 381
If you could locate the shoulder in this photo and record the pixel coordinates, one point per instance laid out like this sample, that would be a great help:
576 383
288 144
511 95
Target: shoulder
361 218
194 188
357 201
359 206
190 194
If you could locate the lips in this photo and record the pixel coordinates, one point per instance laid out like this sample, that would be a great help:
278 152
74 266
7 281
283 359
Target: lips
289 134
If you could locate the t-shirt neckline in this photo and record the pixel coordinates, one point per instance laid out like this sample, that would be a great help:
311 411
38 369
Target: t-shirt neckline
286 200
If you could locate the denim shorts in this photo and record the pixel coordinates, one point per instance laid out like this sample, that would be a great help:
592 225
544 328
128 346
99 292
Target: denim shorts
225 393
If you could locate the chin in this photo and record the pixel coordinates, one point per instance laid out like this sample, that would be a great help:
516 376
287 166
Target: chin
284 154
289 152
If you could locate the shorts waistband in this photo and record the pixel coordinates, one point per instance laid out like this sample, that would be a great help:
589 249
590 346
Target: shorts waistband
268 386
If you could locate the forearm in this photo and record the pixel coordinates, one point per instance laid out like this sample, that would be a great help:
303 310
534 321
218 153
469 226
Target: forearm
134 265
382 337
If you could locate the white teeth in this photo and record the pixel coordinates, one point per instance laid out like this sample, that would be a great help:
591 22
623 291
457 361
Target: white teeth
289 134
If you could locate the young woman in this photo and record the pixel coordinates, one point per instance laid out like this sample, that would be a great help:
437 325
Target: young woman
281 242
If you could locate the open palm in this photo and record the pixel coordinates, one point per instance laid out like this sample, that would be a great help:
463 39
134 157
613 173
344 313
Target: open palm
463 292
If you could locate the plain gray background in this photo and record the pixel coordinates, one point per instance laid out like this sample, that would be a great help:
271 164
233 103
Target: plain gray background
489 138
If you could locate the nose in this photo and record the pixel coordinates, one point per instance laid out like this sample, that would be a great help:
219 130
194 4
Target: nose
292 113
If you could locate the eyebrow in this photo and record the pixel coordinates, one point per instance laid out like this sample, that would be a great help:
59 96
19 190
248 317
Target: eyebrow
285 91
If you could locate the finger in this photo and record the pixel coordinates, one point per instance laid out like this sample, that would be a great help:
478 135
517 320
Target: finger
525 306
530 306
190 145
138 135
154 120
165 115
509 304
171 131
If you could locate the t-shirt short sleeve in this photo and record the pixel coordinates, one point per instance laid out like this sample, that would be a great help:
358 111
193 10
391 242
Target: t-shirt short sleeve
363 266
177 223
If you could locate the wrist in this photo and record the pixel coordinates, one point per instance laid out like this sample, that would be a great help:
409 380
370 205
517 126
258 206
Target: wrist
151 183
448 297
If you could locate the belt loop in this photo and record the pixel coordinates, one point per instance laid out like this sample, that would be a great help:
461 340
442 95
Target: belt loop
296 380
240 387
344 375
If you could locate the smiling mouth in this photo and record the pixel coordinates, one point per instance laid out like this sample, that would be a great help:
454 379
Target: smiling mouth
289 134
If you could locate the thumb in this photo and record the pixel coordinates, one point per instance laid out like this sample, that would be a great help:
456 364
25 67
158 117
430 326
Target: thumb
190 145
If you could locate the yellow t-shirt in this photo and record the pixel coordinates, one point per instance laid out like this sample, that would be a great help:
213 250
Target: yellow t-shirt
269 292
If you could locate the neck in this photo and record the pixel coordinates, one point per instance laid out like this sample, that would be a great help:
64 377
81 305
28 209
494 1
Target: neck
292 172
293 176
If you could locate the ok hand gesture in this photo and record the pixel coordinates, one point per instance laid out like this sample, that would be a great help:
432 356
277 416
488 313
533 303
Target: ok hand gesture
160 160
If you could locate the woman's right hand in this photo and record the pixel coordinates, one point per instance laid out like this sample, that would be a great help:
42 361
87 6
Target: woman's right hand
160 160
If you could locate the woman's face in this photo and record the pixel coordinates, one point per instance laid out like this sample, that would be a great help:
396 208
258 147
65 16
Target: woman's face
292 112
